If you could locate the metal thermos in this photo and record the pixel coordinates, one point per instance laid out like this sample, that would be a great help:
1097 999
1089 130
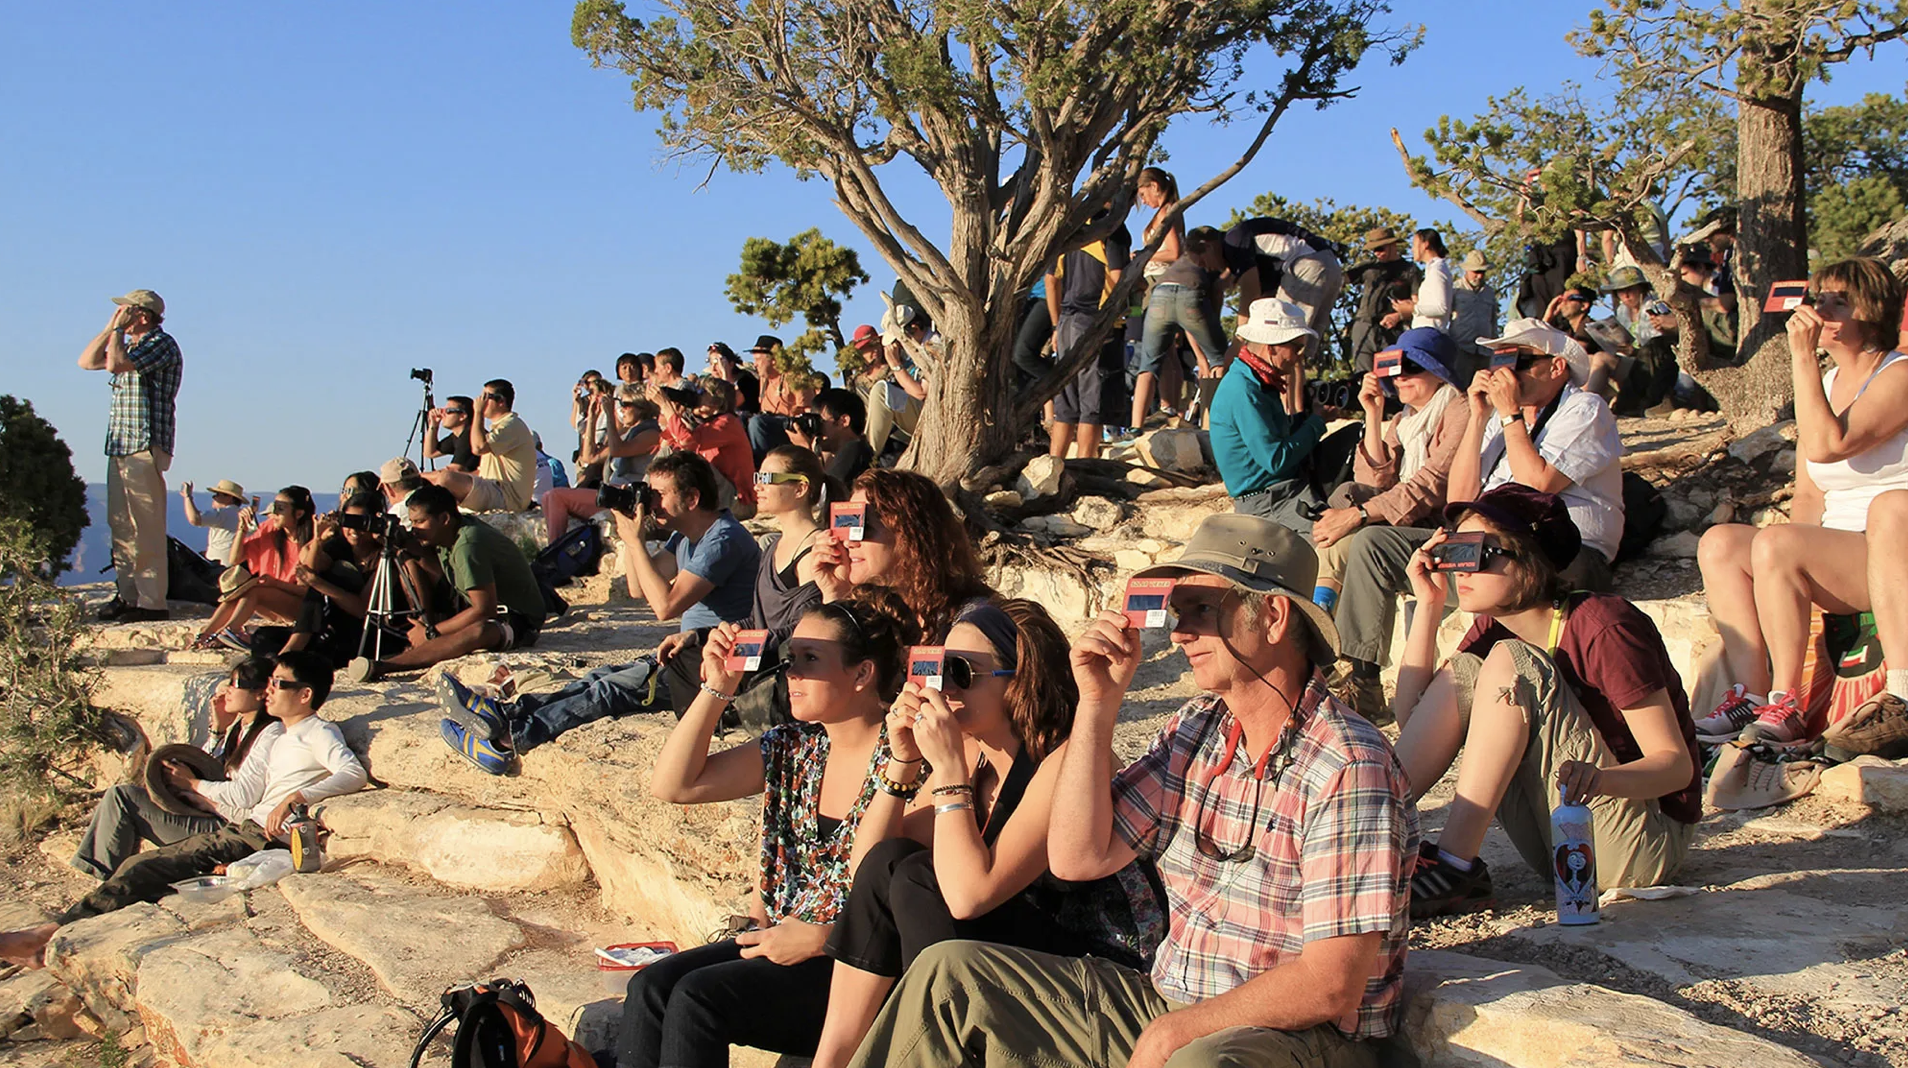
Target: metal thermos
1574 860
302 830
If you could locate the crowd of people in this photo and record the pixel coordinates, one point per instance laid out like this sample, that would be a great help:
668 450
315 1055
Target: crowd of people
955 867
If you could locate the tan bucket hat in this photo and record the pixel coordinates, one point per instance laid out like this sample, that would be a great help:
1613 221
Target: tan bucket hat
229 488
1379 237
1256 554
235 582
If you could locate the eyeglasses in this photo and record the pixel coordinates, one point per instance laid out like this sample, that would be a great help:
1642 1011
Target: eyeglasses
960 672
1204 842
776 478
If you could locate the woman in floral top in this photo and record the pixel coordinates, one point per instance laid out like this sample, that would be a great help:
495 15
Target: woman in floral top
768 987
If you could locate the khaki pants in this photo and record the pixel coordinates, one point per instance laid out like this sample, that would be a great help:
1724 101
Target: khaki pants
1636 844
136 514
974 1003
1312 282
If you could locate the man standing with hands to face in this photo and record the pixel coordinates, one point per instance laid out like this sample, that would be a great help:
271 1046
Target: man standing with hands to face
1283 830
146 367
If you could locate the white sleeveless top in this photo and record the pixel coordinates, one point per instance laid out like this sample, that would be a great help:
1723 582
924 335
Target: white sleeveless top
1850 486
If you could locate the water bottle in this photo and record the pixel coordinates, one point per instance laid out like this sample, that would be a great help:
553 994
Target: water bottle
302 831
1574 859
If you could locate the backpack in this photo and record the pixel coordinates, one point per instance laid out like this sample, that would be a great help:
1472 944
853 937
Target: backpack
1643 513
575 553
498 1026
189 576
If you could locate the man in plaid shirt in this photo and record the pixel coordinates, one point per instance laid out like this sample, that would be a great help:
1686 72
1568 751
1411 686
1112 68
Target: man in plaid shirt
146 368
1282 827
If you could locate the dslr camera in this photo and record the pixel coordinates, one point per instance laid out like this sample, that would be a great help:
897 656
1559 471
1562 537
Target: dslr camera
422 374
625 499
383 524
810 425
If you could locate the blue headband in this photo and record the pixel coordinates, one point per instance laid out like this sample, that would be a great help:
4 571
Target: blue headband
1000 630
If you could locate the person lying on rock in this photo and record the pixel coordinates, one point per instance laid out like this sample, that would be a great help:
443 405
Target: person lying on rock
1841 550
969 858
308 763
1283 830
1550 692
244 734
502 603
789 493
768 986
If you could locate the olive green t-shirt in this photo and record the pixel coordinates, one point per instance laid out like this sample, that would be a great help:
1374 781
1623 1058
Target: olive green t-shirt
482 555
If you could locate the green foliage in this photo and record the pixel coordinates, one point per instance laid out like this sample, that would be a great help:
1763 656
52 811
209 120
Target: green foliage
37 484
1856 160
807 278
48 724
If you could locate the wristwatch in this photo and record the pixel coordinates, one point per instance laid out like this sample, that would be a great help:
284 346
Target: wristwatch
1363 516
1505 421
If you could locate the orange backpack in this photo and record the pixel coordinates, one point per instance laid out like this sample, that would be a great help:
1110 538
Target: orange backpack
498 1026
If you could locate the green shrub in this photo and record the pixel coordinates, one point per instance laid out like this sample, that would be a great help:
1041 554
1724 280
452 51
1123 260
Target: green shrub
49 727
37 484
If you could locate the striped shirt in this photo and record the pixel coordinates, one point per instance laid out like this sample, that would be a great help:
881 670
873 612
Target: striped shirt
1334 838
141 417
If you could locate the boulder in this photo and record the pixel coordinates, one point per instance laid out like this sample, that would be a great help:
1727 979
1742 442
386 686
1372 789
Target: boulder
1762 442
1042 478
1869 780
1002 499
1478 1013
1678 546
415 942
1063 594
1182 450
1053 524
98 958
457 845
1098 513
36 998
1147 480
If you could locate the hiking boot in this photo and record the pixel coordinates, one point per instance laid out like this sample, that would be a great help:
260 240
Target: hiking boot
475 748
1440 889
1781 723
472 711
362 669
143 615
1734 712
1368 699
112 610
1877 727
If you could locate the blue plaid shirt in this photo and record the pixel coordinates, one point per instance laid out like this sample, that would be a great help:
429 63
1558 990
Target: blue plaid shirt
142 415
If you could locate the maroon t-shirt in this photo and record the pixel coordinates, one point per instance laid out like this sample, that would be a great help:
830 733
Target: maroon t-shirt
1613 658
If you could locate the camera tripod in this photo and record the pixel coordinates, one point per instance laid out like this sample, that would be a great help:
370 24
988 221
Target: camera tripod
381 615
420 425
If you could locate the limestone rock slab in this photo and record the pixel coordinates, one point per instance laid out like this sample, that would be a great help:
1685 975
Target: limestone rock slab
98 958
1468 1012
457 845
1869 780
193 992
416 943
346 1036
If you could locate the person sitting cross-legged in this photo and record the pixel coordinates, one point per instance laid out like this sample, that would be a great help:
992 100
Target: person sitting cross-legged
502 603
506 455
1284 833
309 763
1550 693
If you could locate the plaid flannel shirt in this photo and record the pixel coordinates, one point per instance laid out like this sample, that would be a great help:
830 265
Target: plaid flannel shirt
142 415
1335 837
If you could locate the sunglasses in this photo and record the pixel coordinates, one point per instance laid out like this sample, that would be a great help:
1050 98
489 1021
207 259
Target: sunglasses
282 508
276 683
492 396
959 672
777 478
625 404
457 411
1203 842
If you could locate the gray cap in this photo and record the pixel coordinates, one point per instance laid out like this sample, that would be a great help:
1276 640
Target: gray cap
1256 554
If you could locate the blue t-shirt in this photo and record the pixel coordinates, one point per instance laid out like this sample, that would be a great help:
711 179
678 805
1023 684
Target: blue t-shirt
727 556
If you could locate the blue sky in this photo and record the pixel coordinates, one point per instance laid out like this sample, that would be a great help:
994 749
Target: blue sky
328 196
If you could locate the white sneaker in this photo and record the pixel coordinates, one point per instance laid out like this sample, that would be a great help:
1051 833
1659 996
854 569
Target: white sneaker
1736 711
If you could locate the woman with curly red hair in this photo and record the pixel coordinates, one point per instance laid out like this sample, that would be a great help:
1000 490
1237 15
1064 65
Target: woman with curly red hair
913 545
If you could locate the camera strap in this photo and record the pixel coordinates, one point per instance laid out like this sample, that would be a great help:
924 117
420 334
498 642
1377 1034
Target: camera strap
1536 428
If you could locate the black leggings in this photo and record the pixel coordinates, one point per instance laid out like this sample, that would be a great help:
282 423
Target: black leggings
896 910
687 1009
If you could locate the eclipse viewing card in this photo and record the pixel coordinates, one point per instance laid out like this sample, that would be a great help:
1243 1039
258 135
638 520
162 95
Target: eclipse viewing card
1388 364
849 519
747 654
925 663
1146 601
1786 296
1463 551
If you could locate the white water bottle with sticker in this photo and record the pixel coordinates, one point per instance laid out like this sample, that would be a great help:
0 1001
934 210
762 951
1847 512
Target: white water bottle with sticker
1574 861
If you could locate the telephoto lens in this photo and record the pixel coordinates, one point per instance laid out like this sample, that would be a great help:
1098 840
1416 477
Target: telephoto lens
624 499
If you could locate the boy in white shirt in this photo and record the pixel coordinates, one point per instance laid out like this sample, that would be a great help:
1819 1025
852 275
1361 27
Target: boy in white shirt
309 763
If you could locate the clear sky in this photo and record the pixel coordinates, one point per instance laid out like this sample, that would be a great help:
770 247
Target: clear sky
330 195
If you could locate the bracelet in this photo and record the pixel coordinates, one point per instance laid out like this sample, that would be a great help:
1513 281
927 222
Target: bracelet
957 788
902 790
892 759
725 698
954 806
